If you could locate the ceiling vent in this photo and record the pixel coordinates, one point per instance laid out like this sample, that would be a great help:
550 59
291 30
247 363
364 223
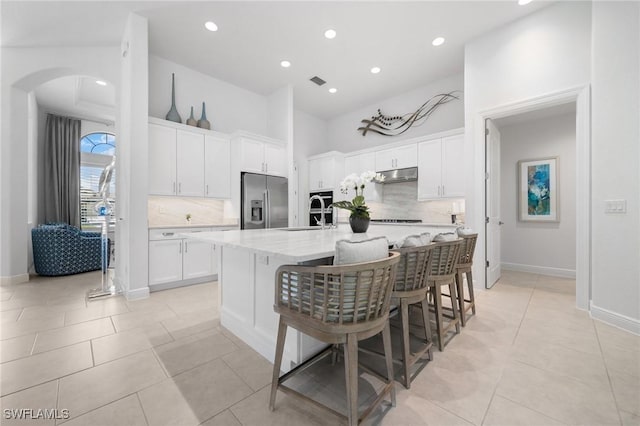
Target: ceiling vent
317 80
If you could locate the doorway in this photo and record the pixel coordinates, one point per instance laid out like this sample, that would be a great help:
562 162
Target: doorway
581 96
530 190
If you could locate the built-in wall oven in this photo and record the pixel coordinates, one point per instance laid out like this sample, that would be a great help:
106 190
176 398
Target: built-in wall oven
315 211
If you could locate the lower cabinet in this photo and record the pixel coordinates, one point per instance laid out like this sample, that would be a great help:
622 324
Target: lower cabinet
176 261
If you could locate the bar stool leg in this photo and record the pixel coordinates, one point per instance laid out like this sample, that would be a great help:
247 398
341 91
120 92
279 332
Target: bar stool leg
437 303
351 372
386 340
454 306
472 298
406 350
277 362
460 294
427 326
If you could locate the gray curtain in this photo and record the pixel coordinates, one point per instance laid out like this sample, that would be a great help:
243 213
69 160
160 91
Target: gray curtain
62 170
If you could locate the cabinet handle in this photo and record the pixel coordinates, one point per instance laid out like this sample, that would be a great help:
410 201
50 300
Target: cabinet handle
180 248
167 234
207 189
179 187
186 246
438 190
443 190
174 187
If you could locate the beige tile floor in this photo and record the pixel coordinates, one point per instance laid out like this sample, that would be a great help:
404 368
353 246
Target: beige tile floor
528 357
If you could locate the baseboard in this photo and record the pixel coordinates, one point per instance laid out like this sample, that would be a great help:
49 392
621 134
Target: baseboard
541 270
621 321
138 293
15 279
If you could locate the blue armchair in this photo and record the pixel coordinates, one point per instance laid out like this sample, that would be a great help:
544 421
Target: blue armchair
61 249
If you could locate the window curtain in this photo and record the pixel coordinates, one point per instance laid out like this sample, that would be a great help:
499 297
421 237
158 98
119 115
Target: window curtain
62 170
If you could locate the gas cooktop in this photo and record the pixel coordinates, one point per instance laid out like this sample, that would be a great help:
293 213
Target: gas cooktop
397 220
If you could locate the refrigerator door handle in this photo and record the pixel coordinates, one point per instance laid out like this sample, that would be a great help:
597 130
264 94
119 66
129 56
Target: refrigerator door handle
267 209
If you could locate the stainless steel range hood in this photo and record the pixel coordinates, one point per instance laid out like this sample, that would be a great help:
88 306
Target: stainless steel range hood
400 175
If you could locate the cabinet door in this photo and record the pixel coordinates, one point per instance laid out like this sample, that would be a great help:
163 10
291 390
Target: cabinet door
430 170
252 156
217 170
453 166
275 158
406 156
162 160
385 160
328 172
190 164
315 174
165 261
197 259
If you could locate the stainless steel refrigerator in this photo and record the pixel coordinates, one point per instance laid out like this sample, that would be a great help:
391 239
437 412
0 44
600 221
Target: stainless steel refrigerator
264 201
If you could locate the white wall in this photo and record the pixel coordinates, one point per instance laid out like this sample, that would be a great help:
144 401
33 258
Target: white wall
132 162
309 137
545 52
23 69
229 108
616 151
342 131
538 245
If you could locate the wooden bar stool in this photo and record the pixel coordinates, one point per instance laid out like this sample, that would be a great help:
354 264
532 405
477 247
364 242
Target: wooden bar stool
444 257
337 305
463 268
410 287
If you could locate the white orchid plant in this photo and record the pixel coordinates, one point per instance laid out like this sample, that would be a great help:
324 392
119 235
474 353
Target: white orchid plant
357 206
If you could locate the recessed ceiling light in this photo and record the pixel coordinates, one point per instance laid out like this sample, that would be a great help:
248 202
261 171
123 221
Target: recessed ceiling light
437 41
330 34
285 64
333 90
523 2
101 83
375 70
211 26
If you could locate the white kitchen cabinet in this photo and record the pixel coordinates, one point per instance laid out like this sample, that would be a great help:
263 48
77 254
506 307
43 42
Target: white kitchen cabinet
400 157
441 168
165 261
259 155
176 261
217 169
162 160
326 171
197 259
359 164
190 164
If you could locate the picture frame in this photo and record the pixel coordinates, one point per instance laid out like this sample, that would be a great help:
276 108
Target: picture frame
538 190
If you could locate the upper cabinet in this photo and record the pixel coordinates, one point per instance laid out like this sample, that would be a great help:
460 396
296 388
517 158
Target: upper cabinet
359 164
441 168
261 155
217 170
397 158
188 163
325 171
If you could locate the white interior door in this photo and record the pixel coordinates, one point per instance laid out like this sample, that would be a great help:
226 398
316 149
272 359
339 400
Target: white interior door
492 204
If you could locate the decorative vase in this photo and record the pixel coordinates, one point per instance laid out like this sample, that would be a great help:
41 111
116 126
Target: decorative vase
359 224
203 123
191 121
173 115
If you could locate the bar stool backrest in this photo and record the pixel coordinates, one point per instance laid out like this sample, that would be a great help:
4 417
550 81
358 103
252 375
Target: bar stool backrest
413 268
444 258
467 249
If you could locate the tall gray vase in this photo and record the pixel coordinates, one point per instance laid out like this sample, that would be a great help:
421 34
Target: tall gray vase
173 115
203 122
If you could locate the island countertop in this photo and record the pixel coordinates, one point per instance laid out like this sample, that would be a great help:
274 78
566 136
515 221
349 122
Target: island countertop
303 245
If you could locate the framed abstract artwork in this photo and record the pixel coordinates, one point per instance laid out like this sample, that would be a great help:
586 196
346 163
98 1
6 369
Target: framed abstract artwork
538 190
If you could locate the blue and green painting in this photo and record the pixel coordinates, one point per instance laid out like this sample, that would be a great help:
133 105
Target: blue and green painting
539 201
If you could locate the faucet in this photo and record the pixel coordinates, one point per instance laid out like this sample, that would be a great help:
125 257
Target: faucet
317 197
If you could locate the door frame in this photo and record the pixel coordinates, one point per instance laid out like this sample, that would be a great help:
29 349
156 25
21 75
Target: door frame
581 95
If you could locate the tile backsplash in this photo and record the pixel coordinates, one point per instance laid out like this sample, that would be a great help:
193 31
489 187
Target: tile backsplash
399 201
172 211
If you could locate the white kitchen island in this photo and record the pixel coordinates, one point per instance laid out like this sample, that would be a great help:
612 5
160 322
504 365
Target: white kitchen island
248 261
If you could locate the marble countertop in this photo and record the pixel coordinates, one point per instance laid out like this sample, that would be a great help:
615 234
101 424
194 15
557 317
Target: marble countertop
300 246
196 225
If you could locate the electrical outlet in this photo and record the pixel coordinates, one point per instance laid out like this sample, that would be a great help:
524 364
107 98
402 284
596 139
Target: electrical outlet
615 206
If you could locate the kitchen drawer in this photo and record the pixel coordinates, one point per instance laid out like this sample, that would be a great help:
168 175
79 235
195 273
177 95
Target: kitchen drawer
173 233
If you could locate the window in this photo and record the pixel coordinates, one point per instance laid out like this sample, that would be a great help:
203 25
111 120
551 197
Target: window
96 152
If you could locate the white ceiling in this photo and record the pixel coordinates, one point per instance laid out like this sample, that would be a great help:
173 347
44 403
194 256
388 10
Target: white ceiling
254 37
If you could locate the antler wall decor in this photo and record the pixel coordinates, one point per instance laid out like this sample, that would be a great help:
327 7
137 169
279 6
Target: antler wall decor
386 125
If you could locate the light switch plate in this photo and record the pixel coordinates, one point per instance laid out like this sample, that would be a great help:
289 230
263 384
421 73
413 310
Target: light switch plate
615 206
